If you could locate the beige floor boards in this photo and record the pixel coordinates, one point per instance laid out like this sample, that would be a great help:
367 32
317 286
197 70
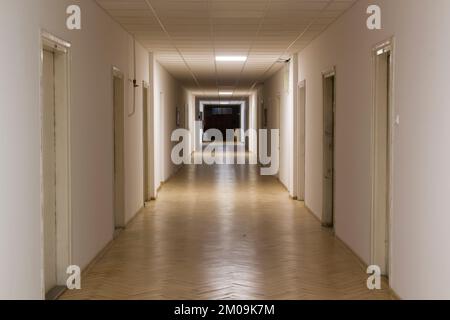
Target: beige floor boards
225 232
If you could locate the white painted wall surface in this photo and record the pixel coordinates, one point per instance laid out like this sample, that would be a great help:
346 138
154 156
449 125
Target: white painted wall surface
91 129
191 121
100 44
134 165
20 231
273 87
421 241
174 97
253 123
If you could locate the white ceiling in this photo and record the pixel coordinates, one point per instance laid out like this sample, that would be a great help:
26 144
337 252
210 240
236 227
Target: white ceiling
186 35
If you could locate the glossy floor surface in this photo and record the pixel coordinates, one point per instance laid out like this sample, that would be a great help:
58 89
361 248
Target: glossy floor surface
226 232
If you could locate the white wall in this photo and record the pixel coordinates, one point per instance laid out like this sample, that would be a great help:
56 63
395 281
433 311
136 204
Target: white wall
259 91
174 96
253 122
100 44
273 87
293 103
134 157
420 238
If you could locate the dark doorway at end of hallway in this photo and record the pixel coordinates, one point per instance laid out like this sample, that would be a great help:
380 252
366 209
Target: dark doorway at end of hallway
222 118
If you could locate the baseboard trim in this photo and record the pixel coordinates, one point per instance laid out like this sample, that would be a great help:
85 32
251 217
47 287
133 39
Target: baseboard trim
360 261
97 258
89 266
286 188
312 213
99 255
55 293
394 294
134 216
364 266
327 225
162 183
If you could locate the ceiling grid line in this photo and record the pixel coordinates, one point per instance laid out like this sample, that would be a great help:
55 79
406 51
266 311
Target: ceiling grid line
213 40
172 42
252 44
186 36
293 42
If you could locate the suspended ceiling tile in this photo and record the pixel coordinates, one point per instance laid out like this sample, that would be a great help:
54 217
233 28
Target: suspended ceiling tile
200 29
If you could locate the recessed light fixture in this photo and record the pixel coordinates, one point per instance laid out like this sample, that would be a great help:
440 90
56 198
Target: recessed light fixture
225 93
231 58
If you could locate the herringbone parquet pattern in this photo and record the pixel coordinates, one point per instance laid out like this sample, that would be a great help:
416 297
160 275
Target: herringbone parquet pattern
225 232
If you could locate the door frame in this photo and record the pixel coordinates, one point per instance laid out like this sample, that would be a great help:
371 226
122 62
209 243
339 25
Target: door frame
331 72
117 73
62 58
385 46
300 135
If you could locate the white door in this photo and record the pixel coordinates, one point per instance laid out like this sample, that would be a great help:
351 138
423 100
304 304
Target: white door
49 170
301 142
278 126
145 133
161 138
381 163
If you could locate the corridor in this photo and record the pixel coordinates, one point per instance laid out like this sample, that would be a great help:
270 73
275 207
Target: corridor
225 232
114 114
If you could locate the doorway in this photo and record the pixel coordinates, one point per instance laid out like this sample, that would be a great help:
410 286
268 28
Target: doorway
119 153
272 116
145 141
222 118
278 127
300 124
329 111
161 139
382 155
55 164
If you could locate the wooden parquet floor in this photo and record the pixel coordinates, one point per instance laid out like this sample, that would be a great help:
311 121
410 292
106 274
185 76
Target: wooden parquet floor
225 232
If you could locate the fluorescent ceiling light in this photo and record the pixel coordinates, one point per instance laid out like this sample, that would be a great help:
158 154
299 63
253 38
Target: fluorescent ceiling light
225 93
231 58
